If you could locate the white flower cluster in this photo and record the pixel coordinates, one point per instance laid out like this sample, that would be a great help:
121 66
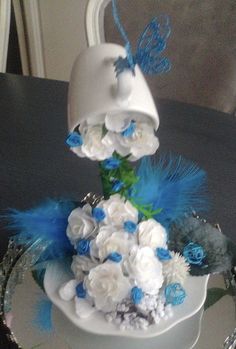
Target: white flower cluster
120 258
98 142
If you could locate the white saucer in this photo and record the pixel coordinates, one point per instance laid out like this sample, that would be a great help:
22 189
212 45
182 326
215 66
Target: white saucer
182 336
56 274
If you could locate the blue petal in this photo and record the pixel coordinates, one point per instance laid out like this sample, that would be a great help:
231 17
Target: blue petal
128 132
80 290
114 257
111 163
83 247
117 186
74 139
130 226
175 294
136 295
98 214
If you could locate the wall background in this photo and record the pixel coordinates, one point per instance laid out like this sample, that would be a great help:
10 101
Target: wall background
63 35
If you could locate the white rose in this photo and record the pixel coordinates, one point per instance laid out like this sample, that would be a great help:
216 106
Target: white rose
115 242
144 269
104 233
118 210
107 286
94 146
80 224
117 122
141 143
152 234
81 265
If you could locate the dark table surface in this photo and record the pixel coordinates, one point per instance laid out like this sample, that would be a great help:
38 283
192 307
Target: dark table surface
35 163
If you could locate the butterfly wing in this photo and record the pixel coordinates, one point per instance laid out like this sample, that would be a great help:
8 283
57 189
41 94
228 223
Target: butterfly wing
151 44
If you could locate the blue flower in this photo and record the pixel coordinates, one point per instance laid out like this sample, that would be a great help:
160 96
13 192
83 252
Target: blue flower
74 139
117 186
194 253
130 227
80 290
163 254
114 257
111 163
98 214
136 295
129 130
83 247
175 294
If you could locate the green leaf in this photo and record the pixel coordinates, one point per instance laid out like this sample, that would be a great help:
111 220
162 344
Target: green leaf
125 173
214 294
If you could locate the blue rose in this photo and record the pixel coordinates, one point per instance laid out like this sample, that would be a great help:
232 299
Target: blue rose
98 214
80 290
194 253
130 227
117 186
174 294
163 254
114 257
136 295
111 163
83 247
74 139
129 130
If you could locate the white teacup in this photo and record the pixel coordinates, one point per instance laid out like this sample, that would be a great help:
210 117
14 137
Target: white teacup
98 96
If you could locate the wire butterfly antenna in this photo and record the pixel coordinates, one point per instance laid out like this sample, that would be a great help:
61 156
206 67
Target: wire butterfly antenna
151 44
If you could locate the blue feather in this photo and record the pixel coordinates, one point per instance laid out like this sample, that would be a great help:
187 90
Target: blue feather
46 223
174 184
43 315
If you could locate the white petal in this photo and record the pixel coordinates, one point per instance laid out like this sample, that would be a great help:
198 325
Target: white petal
67 290
117 122
83 308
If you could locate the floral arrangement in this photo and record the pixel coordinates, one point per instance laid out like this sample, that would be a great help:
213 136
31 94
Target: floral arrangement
123 266
121 135
132 250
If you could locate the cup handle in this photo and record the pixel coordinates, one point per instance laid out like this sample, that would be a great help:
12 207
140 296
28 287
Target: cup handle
124 85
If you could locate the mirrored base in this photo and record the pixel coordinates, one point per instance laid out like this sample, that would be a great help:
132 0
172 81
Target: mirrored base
216 324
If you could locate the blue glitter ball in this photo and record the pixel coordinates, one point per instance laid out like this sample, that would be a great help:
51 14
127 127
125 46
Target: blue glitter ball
98 214
128 132
194 253
175 294
117 186
80 290
163 254
111 163
114 257
130 227
74 140
136 295
83 247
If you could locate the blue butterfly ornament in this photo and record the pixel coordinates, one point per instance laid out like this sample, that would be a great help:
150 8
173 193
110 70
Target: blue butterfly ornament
150 46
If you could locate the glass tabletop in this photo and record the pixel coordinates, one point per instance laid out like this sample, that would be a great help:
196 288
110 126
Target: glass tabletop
20 295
